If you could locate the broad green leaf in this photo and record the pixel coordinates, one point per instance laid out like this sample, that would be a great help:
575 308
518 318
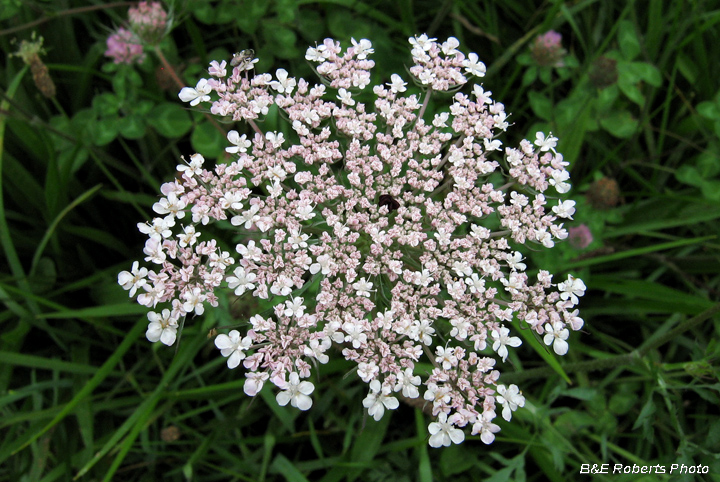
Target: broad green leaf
620 124
253 12
628 40
709 110
689 175
541 105
646 72
208 141
132 126
104 131
170 120
281 40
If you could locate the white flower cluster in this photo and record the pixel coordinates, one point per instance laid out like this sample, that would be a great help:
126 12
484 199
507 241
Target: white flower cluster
392 253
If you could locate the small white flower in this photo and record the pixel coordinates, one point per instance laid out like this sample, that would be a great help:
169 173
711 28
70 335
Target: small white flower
362 48
485 427
571 289
250 251
379 399
194 301
559 179
503 340
240 143
189 236
304 212
345 97
275 139
482 96
462 268
196 95
555 335
254 382
295 307
492 145
450 46
443 433
545 143
473 66
297 239
445 357
363 287
163 327
133 280
367 371
194 167
241 281
284 84
296 393
408 383
510 398
475 283
514 261
422 42
324 265
565 209
233 347
317 349
282 286
396 84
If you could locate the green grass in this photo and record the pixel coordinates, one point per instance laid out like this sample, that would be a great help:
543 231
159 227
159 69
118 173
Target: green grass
83 395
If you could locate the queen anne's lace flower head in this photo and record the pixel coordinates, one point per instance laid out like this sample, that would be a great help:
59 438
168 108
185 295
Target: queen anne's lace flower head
385 216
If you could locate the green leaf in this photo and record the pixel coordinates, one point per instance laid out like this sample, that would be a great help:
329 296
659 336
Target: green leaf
689 175
455 459
368 443
529 76
281 40
620 124
645 419
170 120
709 110
207 140
628 40
643 71
541 105
708 162
253 11
106 104
531 338
104 131
286 468
711 190
132 126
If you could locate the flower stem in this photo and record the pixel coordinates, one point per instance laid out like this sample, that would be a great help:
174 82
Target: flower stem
180 84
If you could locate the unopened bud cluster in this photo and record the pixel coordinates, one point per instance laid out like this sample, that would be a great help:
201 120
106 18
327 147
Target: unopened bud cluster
376 231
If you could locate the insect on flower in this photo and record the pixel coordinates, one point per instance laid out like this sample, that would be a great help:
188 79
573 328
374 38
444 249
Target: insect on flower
243 59
389 201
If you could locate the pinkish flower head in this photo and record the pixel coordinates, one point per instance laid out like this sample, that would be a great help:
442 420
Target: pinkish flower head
580 236
547 49
148 20
124 47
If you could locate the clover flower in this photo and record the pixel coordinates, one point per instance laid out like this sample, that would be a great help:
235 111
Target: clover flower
403 227
124 47
547 49
149 21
